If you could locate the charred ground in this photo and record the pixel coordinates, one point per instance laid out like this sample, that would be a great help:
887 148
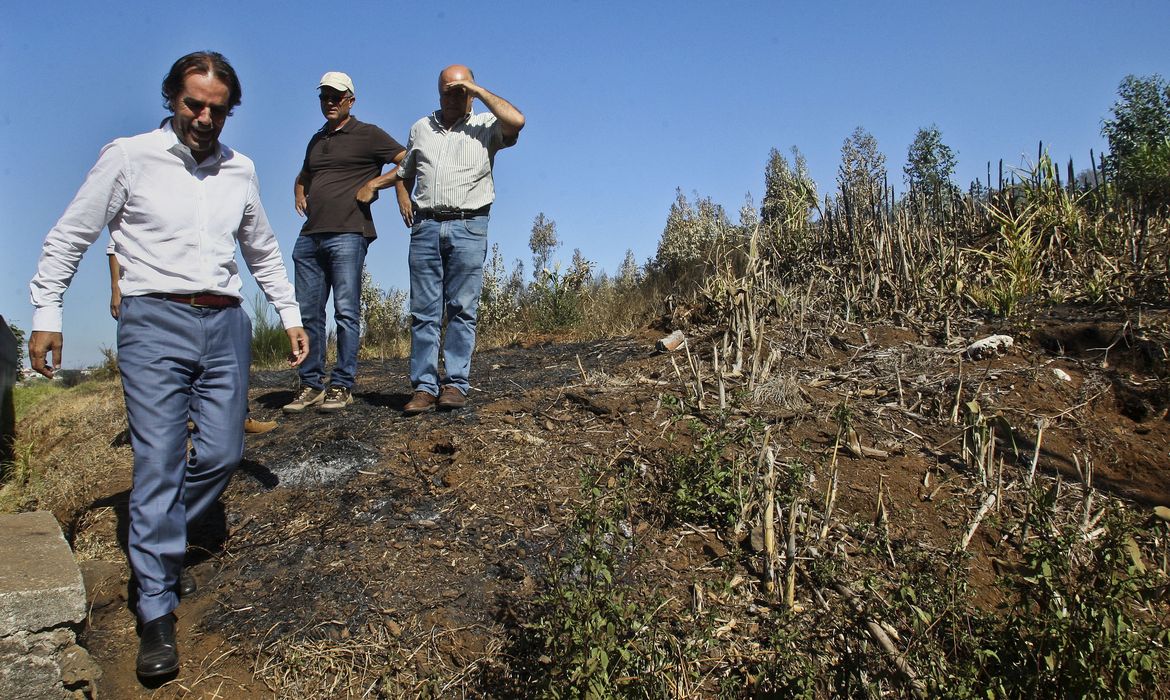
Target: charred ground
365 552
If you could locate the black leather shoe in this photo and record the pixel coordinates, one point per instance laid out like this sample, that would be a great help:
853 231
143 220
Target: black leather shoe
157 653
187 584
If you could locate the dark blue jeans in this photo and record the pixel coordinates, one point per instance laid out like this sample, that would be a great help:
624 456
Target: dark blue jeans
324 262
446 274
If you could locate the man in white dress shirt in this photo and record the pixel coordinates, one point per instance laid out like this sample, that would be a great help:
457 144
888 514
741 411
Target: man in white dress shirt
177 202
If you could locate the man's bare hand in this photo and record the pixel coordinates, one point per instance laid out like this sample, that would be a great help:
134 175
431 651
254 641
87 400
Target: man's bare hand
299 342
42 346
366 194
468 85
115 301
405 208
301 203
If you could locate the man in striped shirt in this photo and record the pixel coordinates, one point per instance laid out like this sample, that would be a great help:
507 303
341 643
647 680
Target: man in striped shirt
448 167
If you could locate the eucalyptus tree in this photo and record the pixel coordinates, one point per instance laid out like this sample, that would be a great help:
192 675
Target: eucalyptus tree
542 243
1138 133
863 166
930 164
790 194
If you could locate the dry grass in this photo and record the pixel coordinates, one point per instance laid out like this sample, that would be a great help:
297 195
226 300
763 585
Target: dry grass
65 441
385 661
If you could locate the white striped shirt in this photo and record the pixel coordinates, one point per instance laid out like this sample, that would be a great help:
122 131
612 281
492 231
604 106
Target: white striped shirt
452 168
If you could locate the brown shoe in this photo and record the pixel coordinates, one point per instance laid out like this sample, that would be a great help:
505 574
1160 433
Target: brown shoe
336 398
255 427
450 398
421 402
306 396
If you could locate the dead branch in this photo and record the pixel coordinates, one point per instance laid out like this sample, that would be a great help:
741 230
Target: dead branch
988 502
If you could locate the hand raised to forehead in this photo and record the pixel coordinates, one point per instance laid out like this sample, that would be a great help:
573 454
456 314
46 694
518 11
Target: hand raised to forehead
466 84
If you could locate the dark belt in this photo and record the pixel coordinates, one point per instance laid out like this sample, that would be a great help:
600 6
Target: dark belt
205 300
451 214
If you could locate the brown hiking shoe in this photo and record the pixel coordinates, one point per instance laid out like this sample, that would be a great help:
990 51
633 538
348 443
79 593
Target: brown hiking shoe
450 397
336 398
421 402
255 427
307 396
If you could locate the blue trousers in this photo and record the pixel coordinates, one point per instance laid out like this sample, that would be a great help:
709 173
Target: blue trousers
446 276
178 363
324 261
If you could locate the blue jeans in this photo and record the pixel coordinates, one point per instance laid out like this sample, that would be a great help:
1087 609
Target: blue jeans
324 261
446 274
178 362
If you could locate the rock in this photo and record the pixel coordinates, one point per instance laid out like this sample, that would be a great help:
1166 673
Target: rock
756 541
991 346
77 666
1061 374
40 584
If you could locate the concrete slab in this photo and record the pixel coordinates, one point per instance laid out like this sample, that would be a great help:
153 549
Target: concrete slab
40 584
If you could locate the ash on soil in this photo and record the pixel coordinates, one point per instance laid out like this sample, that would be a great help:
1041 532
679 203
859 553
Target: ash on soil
435 530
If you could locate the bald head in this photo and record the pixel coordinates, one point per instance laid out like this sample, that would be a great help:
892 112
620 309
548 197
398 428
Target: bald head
456 71
454 97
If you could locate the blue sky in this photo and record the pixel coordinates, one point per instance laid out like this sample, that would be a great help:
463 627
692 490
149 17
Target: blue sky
625 101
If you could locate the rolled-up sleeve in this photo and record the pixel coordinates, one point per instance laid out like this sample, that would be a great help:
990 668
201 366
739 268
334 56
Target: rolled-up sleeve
99 200
406 169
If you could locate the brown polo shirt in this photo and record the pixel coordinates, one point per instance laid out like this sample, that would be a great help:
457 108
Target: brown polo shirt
336 164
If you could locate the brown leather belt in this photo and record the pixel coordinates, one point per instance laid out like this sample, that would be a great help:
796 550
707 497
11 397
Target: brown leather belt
205 300
451 214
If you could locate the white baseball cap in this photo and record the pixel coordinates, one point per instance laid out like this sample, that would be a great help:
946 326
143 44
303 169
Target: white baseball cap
337 81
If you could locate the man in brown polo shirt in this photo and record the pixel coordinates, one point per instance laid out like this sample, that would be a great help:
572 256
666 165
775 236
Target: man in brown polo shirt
341 157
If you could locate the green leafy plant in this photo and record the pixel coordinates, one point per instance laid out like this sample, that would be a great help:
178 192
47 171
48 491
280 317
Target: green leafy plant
597 641
1015 260
555 300
384 325
1078 624
705 484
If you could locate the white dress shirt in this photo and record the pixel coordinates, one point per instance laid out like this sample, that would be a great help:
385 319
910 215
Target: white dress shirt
174 225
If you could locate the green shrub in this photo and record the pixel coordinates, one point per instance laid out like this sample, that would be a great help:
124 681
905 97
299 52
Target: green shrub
385 321
1077 623
555 301
706 484
597 642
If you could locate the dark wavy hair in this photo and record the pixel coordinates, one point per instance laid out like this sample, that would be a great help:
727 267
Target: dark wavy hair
201 62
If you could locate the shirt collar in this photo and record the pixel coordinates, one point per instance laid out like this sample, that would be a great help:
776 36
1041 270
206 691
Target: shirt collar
436 117
346 127
172 143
